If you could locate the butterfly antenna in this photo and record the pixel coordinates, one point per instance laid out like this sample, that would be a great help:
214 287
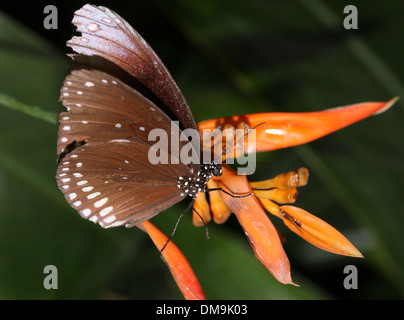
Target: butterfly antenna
230 194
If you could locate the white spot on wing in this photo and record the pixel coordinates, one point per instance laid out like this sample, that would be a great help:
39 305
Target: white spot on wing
93 195
89 84
93 27
101 202
72 196
87 189
105 211
109 219
116 224
86 212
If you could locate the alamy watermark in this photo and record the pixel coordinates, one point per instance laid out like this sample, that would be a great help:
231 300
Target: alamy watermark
351 19
51 279
51 18
351 280
236 146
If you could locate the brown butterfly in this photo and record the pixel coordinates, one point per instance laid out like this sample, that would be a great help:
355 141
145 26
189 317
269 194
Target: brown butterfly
118 92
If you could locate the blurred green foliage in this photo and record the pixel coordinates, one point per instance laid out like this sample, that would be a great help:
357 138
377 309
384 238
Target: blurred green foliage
228 57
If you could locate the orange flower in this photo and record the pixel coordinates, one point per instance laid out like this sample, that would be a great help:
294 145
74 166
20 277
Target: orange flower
273 131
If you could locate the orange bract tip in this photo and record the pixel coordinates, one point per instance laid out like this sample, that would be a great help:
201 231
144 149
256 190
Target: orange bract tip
180 268
312 229
388 105
317 231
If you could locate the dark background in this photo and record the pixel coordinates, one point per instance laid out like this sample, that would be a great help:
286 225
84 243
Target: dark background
228 58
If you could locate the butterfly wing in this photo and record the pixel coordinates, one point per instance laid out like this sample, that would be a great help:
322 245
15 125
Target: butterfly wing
100 107
104 33
114 184
105 171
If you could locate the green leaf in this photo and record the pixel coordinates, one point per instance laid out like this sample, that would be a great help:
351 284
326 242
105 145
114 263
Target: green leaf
34 111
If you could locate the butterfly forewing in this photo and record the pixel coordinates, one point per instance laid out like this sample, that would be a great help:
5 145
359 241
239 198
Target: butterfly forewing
108 176
100 108
104 33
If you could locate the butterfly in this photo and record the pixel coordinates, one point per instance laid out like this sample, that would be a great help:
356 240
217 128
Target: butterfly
117 93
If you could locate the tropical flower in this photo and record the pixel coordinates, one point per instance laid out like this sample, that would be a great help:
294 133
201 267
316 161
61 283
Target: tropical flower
273 131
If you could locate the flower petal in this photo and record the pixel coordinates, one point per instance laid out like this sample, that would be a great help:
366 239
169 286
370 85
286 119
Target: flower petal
201 206
220 211
287 180
278 195
258 228
312 229
281 129
283 187
181 270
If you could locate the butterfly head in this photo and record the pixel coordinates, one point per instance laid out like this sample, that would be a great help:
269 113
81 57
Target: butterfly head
197 182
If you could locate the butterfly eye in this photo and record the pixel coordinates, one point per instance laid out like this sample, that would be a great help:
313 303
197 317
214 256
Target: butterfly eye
217 171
